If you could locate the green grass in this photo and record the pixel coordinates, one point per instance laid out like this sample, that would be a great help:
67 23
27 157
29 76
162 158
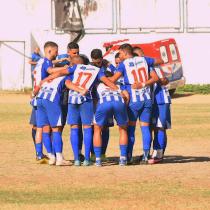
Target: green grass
199 89
26 185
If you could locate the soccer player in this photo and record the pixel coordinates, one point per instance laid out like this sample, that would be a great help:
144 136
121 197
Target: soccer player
80 107
137 78
98 61
35 57
161 116
43 68
110 104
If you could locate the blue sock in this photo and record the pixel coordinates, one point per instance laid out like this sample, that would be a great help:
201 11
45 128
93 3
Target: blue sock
123 150
146 137
105 140
165 142
80 138
88 139
33 133
74 138
155 142
161 138
47 142
131 140
39 150
57 141
97 151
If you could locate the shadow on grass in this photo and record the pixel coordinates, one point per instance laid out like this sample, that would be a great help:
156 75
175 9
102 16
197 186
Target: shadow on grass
167 159
181 95
185 159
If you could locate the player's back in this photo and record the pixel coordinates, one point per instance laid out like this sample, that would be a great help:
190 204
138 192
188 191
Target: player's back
52 91
85 77
136 70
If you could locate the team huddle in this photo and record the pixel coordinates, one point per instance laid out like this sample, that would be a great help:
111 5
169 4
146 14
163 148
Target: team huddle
93 96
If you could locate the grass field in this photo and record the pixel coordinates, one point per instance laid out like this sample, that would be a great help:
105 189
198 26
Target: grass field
181 182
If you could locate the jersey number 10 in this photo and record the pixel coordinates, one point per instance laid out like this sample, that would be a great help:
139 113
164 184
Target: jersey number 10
139 75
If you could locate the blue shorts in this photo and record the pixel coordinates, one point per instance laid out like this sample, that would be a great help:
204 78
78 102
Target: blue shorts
106 110
161 116
141 110
33 117
48 113
80 113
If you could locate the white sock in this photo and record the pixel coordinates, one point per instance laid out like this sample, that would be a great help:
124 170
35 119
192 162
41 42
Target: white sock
154 154
59 156
50 155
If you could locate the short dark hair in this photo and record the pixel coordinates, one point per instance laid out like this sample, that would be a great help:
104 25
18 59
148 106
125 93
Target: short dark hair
137 48
85 59
96 54
72 45
50 44
117 55
127 47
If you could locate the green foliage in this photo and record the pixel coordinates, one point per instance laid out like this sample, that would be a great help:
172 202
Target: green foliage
199 89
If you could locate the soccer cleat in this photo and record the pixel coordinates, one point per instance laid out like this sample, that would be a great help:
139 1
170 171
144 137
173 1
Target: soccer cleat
130 161
52 160
93 157
62 162
42 160
123 162
155 160
77 163
98 163
81 157
103 158
86 163
144 161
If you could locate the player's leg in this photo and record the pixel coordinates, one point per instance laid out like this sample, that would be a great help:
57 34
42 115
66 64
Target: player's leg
132 115
81 156
105 141
86 114
121 117
145 118
74 122
54 114
102 114
163 122
42 120
33 123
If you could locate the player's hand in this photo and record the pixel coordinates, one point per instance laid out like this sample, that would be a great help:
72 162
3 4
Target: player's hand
114 88
137 86
84 92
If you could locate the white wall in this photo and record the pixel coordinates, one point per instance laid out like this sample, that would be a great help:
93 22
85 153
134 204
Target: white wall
19 19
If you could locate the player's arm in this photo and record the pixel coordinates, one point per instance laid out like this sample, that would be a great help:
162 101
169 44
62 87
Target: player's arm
109 83
154 61
60 60
70 85
162 79
119 72
32 62
125 96
52 70
63 72
158 61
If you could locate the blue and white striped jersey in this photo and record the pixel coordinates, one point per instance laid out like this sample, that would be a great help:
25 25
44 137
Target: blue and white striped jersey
84 76
40 73
105 94
160 92
136 69
52 91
